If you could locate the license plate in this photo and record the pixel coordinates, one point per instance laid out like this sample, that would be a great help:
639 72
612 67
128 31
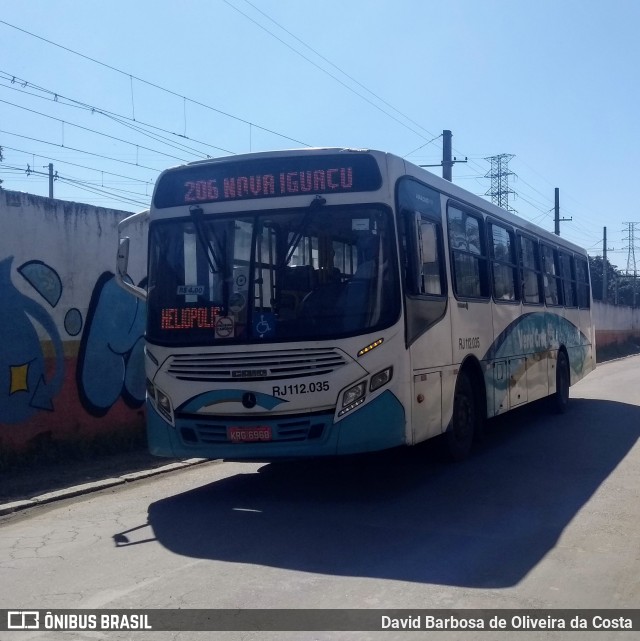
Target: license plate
249 434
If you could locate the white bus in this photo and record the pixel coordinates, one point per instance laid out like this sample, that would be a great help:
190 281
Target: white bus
332 301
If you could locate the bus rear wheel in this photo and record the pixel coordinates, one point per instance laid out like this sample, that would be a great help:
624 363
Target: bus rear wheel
459 436
563 381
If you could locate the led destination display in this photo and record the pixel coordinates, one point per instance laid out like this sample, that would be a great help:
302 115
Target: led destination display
222 181
189 318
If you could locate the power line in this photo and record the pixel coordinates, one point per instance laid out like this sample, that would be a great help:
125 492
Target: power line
125 121
87 187
342 71
421 146
79 184
82 151
67 162
93 131
152 84
317 66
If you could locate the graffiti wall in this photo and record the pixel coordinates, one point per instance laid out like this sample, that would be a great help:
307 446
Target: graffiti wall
71 363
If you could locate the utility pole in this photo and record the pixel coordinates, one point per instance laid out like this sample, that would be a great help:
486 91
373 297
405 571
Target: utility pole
605 269
604 266
50 180
631 256
557 218
447 161
631 259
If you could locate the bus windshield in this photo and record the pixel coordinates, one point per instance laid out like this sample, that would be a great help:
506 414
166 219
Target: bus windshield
289 274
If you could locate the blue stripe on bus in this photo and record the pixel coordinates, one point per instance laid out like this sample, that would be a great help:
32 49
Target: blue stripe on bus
536 332
378 425
214 397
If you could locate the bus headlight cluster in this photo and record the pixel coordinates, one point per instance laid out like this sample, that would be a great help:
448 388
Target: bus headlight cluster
355 395
164 404
162 401
380 379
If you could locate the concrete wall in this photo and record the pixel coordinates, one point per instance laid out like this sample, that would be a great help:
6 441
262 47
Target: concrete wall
615 324
71 362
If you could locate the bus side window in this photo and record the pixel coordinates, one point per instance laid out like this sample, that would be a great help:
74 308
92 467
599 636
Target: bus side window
503 264
531 272
468 254
582 277
550 274
567 272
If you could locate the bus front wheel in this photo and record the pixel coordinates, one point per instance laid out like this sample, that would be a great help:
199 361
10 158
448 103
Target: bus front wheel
459 436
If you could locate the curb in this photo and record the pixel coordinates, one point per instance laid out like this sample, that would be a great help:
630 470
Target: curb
95 486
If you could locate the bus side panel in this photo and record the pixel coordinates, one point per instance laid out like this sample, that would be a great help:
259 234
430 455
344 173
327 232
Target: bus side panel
427 405
588 331
377 426
431 357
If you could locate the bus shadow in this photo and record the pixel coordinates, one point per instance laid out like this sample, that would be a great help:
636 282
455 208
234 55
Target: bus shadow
404 515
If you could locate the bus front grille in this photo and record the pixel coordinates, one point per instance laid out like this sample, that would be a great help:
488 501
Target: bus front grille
207 432
255 366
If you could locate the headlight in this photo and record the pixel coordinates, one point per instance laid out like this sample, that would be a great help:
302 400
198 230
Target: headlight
353 397
151 390
164 404
353 394
380 379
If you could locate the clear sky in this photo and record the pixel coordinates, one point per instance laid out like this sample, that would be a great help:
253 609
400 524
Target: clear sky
553 82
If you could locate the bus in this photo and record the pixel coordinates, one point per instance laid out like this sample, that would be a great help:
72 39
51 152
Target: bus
322 302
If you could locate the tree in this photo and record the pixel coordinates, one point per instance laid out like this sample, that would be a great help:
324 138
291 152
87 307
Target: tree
596 267
624 284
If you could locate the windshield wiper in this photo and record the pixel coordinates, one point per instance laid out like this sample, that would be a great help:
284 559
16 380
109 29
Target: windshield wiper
317 202
213 260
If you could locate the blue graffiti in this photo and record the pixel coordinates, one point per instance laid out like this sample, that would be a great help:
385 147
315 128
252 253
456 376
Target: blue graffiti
24 389
111 358
43 279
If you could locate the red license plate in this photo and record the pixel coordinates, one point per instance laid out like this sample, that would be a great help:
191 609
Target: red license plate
249 434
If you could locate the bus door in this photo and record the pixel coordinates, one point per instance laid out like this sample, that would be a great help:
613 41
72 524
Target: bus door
471 311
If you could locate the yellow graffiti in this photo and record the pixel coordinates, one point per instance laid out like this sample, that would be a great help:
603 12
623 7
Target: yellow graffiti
19 378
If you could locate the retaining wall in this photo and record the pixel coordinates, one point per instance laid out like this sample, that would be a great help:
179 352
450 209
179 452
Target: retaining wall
615 324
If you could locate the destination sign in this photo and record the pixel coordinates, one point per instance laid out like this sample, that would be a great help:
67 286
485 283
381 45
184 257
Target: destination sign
189 318
224 181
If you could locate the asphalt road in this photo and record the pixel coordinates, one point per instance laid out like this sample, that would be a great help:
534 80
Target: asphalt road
546 514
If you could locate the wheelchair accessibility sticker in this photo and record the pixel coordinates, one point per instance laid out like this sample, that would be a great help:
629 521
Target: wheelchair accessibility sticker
264 325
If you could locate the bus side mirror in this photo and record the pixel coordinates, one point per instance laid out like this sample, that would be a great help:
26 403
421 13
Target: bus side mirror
122 258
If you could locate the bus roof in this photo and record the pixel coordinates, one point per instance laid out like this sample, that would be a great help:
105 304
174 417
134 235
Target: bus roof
399 166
